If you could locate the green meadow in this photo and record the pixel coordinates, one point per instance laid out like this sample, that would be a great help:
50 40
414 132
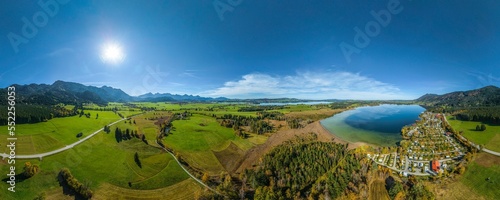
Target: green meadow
490 137
197 137
108 166
101 160
483 180
55 133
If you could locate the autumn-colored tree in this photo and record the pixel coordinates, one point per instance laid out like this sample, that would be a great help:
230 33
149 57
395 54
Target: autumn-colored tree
205 177
30 170
461 170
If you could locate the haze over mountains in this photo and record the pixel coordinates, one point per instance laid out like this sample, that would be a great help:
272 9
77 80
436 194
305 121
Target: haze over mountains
71 93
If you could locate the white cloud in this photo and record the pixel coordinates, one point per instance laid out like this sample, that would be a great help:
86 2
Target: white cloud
308 85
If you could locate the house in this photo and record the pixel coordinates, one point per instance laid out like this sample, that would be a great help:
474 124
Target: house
435 165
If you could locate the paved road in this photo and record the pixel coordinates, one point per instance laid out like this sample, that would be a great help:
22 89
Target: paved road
187 172
491 152
41 155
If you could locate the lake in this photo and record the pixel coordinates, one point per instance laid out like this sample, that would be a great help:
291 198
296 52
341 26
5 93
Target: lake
380 125
295 103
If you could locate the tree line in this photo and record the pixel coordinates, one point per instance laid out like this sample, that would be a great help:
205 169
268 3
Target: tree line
256 124
36 113
259 108
65 177
126 134
482 114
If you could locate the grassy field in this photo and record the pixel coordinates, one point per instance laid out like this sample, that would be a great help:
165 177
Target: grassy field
55 133
108 166
197 137
378 191
490 138
148 127
97 161
474 184
455 191
186 189
122 108
477 174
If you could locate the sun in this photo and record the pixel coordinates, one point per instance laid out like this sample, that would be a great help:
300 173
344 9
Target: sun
112 53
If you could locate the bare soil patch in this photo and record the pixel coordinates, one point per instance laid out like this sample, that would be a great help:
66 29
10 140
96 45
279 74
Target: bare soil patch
487 160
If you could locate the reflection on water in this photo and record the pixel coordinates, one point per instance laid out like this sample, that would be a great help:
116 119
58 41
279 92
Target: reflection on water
380 125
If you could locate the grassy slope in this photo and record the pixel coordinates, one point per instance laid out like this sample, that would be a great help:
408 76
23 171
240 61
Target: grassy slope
147 127
56 133
100 159
109 166
474 184
490 138
378 191
475 178
196 142
183 190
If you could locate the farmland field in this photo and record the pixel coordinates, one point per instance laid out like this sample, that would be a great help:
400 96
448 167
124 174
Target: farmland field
197 137
490 137
56 133
482 175
101 160
108 165
378 191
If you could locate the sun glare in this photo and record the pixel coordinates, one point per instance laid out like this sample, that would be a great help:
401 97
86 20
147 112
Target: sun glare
112 53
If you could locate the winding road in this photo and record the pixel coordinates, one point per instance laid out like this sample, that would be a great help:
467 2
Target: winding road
41 155
187 172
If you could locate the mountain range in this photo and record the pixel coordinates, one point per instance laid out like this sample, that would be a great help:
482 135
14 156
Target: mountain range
486 96
74 93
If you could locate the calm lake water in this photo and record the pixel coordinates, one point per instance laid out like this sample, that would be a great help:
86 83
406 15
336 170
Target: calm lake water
379 125
295 103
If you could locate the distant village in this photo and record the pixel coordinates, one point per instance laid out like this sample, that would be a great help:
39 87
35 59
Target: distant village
426 149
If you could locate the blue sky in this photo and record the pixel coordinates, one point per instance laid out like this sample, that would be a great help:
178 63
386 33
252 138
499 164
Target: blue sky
256 49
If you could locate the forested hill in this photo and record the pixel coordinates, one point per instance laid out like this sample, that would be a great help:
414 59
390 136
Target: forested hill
76 93
483 97
66 93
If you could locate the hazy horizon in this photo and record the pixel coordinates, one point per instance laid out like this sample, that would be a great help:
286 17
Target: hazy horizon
152 92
